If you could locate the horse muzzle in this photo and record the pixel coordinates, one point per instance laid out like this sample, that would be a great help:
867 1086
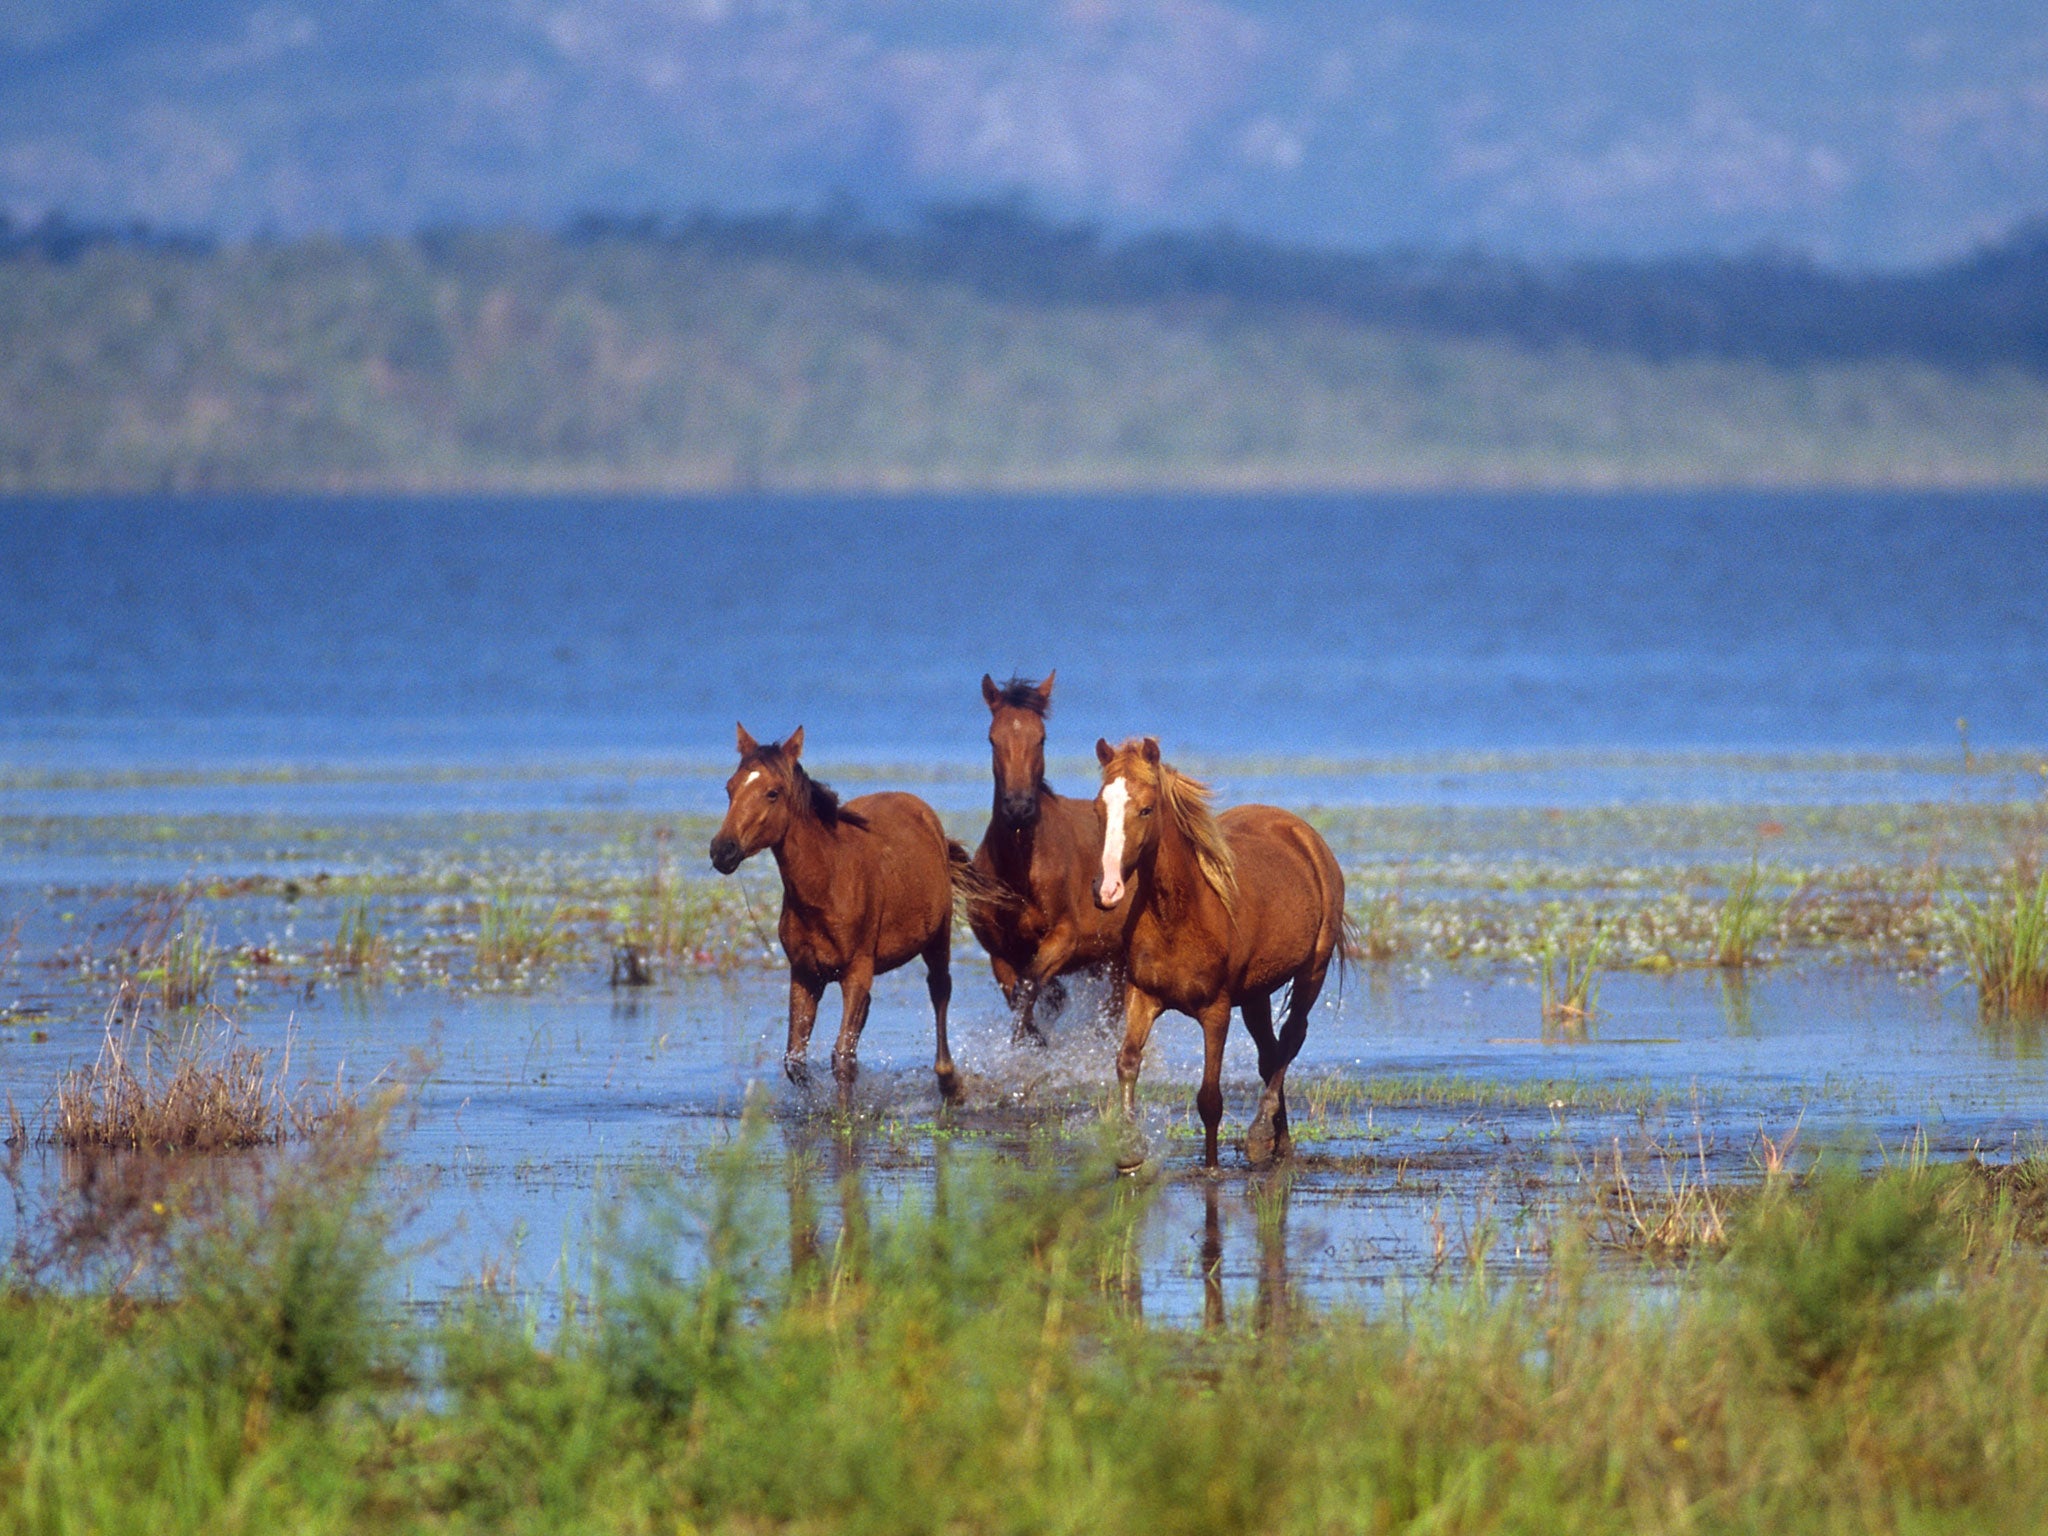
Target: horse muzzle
1108 894
725 854
1020 810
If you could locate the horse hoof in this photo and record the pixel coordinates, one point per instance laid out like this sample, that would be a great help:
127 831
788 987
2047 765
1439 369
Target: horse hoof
1260 1144
797 1070
1131 1152
1028 1034
949 1083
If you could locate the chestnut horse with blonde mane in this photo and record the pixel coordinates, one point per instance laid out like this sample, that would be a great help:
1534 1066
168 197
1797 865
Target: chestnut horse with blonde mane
1037 919
1224 910
866 886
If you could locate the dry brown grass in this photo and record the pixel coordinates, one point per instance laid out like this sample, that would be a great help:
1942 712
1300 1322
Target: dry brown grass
192 1094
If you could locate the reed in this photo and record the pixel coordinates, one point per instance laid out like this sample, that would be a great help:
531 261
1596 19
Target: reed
1378 927
514 934
1745 917
1568 967
359 943
178 970
2005 943
189 1095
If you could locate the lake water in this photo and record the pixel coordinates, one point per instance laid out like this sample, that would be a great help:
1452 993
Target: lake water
488 631
241 690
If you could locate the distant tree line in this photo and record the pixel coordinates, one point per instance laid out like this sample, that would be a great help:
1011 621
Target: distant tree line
1986 310
1778 308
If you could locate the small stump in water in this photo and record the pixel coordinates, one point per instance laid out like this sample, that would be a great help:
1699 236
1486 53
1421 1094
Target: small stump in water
630 967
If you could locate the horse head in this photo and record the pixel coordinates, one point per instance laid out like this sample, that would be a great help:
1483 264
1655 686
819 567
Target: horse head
1016 738
761 797
1130 797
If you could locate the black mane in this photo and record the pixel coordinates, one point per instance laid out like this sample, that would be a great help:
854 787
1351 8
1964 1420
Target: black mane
1022 693
820 801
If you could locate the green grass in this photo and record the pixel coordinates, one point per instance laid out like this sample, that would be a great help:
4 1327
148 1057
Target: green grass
1864 1358
359 943
514 934
2005 941
179 971
1746 916
1567 968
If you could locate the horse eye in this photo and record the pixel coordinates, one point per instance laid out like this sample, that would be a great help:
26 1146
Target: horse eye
1144 810
774 794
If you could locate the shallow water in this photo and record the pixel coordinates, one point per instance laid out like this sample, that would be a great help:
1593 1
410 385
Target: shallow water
1498 697
535 1104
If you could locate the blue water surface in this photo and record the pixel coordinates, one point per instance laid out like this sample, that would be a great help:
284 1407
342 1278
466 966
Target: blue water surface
209 632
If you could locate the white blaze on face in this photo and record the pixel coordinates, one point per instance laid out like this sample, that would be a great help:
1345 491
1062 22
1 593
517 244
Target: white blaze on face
750 778
1116 795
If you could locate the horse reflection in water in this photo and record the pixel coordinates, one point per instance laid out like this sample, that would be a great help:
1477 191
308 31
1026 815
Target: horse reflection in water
838 1152
1273 1304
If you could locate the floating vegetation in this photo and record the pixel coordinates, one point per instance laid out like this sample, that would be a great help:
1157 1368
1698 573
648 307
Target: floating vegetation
1567 967
2005 942
1745 917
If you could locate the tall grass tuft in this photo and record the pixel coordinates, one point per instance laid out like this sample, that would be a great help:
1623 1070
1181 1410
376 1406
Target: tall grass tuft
669 921
2005 940
1379 932
1745 917
1568 967
192 1095
359 943
178 970
516 934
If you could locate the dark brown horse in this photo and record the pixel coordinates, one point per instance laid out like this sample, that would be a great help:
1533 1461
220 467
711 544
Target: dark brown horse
1038 919
866 886
1225 910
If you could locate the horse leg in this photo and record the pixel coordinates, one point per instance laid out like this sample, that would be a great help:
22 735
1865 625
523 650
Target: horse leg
1054 951
1301 1000
1215 1022
804 992
1139 1016
1258 1021
854 989
1006 978
938 981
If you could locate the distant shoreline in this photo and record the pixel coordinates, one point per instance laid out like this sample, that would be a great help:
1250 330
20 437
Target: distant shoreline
520 364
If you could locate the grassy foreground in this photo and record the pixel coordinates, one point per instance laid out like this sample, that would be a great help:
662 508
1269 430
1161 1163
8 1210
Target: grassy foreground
1867 1356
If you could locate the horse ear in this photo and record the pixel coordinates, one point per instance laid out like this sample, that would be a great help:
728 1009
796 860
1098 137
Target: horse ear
747 743
989 691
1103 752
794 747
1045 688
1151 749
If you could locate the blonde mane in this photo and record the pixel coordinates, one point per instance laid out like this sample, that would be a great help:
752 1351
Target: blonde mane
1188 800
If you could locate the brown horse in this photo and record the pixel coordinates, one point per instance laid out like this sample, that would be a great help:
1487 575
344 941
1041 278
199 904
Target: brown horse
866 886
1225 910
1037 920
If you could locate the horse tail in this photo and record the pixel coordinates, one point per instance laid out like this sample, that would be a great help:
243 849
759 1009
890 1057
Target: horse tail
974 891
